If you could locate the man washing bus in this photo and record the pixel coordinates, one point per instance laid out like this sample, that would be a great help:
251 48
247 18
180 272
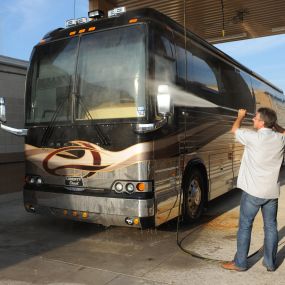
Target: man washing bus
258 179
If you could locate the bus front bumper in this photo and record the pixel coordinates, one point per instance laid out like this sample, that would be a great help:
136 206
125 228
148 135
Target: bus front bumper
100 210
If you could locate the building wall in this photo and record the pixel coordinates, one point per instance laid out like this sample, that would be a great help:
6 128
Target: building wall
12 88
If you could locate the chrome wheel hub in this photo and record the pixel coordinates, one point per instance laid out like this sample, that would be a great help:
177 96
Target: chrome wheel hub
194 196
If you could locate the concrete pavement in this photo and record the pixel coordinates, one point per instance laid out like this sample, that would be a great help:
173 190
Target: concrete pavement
44 250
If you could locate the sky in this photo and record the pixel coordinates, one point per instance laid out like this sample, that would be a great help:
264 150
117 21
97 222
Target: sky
24 22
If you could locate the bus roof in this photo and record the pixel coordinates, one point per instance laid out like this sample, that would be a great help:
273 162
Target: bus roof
145 15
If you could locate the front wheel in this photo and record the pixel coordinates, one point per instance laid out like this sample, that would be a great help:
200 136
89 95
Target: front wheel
194 191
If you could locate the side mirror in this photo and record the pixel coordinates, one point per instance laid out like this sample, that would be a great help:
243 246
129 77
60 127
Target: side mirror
17 132
2 110
163 97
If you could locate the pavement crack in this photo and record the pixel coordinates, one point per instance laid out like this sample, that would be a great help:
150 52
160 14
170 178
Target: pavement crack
105 270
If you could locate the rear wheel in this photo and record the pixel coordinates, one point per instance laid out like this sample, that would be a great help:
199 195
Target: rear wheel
194 195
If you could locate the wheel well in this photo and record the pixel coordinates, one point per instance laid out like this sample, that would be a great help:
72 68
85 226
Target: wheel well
196 164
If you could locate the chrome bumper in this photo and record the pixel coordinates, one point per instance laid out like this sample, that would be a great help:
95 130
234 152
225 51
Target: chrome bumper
101 210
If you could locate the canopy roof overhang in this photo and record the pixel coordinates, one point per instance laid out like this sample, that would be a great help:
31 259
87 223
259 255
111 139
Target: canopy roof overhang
214 20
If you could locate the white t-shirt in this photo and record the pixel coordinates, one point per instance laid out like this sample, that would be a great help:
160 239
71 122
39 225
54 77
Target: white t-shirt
261 162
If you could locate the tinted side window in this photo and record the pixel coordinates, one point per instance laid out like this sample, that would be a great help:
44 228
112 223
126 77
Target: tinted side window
180 59
164 57
236 88
262 96
203 73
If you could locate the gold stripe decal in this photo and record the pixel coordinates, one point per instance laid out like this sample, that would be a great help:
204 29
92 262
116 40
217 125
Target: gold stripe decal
84 158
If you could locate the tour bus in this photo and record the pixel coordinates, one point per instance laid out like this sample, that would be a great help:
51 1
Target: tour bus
128 121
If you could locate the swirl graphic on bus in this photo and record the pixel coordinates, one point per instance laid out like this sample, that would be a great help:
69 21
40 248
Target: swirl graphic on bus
84 159
79 156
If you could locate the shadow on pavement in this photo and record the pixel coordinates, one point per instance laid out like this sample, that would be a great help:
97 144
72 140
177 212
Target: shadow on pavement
280 253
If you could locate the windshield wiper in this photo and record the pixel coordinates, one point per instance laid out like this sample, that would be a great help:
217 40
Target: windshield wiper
103 138
50 128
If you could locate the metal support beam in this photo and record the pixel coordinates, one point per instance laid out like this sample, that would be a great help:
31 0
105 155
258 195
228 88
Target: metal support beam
103 5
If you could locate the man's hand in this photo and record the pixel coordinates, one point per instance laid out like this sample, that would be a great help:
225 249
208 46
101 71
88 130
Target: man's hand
237 122
241 113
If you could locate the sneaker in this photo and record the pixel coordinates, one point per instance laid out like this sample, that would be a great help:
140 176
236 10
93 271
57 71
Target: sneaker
231 266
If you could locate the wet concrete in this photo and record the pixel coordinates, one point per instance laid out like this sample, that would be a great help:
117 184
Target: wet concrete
43 250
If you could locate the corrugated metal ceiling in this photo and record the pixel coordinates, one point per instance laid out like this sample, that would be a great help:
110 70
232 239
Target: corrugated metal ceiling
240 19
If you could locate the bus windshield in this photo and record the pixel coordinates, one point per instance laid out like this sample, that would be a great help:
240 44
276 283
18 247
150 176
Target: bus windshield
111 71
106 76
50 81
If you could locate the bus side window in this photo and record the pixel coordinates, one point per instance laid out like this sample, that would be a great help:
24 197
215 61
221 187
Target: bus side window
262 94
180 60
164 58
168 48
237 88
203 73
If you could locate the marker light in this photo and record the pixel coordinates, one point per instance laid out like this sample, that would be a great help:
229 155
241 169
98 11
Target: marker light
82 20
70 23
117 11
131 21
72 33
65 212
81 31
130 188
140 186
91 29
84 215
74 213
136 221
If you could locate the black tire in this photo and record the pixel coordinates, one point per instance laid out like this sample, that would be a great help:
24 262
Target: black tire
194 192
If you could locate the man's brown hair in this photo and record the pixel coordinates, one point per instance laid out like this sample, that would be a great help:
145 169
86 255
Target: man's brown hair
268 116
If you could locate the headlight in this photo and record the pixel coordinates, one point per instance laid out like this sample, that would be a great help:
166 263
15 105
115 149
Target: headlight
118 187
130 188
34 179
39 181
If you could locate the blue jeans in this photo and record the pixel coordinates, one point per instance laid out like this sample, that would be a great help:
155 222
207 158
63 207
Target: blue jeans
249 206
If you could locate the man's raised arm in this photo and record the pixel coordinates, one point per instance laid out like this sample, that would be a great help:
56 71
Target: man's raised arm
238 121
